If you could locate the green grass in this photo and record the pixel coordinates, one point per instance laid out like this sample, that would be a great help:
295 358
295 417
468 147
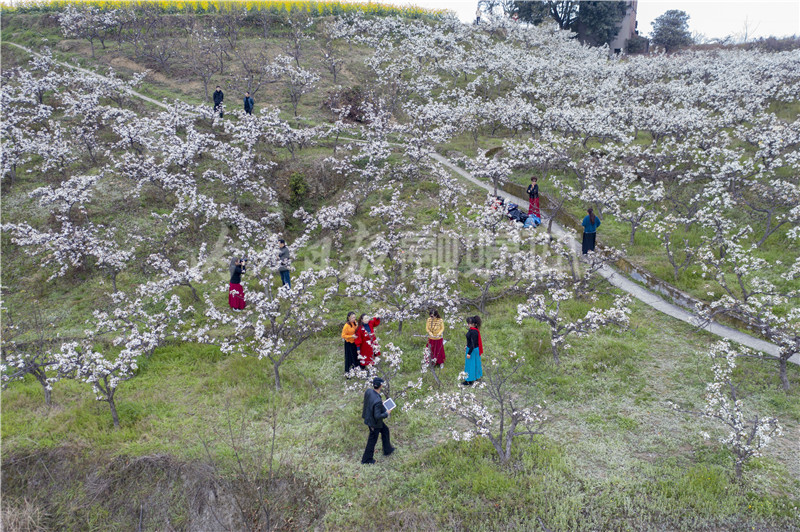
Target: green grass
612 456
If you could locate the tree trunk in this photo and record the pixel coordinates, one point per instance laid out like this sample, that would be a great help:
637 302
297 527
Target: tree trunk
42 378
784 378
554 348
194 292
400 327
113 406
498 446
738 469
275 366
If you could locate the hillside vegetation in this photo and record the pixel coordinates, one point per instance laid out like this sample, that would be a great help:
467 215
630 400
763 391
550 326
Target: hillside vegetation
135 398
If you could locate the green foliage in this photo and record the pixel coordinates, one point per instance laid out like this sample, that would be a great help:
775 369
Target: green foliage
637 44
297 188
599 22
671 30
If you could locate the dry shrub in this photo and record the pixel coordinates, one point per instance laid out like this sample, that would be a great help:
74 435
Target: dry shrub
352 97
22 516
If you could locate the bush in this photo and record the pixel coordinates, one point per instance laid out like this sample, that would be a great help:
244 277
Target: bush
353 98
774 44
297 188
637 45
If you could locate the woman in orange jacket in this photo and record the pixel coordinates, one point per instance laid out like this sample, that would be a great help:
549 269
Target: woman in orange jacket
349 336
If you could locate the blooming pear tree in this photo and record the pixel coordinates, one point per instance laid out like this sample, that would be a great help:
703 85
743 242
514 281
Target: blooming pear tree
103 372
747 294
396 277
136 325
747 437
182 274
491 409
494 169
90 23
665 227
387 367
297 80
559 286
27 350
274 323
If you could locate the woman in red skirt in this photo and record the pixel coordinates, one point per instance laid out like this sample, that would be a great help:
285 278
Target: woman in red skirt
533 198
366 341
435 328
235 291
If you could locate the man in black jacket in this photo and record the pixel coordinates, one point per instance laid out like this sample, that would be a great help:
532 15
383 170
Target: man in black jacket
374 413
248 103
218 97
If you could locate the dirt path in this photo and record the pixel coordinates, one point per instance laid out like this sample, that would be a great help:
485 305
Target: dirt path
611 274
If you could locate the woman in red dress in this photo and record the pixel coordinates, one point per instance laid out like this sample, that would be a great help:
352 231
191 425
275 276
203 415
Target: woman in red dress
235 290
366 341
533 198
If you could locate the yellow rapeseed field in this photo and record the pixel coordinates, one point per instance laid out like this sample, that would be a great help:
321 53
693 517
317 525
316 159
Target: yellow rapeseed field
314 7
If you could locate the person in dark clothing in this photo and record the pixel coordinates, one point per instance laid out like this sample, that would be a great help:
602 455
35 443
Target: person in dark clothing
284 267
374 412
235 290
533 198
473 366
218 97
590 224
248 103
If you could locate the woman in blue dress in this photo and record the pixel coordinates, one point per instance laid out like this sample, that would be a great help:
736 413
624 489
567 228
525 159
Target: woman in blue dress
472 360
590 225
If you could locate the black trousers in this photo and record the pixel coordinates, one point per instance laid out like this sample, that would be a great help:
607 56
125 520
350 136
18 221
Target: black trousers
350 356
588 242
373 439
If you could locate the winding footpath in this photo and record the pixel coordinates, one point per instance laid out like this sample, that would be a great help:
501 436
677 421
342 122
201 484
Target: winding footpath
611 274
624 283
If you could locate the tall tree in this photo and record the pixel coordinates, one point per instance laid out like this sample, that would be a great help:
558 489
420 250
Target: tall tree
671 30
595 22
565 13
599 22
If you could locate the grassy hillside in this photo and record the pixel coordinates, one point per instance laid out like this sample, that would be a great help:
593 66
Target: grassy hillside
207 443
